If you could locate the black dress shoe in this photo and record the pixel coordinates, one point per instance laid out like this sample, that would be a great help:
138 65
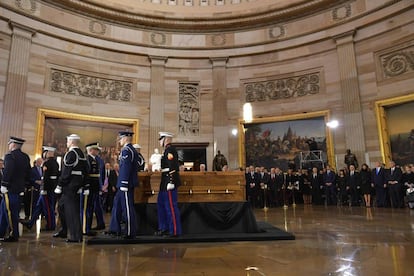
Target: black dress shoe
91 234
60 235
10 239
128 237
99 227
26 223
73 241
161 233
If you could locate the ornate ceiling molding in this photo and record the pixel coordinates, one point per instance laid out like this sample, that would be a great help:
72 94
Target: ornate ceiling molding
214 22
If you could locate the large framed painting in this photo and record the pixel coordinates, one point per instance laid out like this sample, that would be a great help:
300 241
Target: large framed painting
300 141
53 127
396 129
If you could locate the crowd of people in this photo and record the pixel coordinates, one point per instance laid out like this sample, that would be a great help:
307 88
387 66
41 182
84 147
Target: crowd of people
83 187
380 186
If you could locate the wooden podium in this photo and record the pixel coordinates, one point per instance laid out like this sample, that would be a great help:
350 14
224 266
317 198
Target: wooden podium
195 187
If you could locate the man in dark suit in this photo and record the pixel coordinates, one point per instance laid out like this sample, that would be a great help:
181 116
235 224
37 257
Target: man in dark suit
15 175
393 177
252 186
1 173
330 186
263 187
353 185
380 184
316 183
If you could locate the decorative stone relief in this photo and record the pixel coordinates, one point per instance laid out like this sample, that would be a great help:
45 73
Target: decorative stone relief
189 109
27 5
218 40
277 32
90 86
283 88
398 62
158 38
341 12
97 27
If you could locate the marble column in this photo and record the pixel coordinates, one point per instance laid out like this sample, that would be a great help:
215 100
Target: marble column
220 113
16 84
353 118
156 118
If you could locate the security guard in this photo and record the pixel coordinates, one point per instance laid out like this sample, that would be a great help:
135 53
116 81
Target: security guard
71 183
16 173
46 203
123 220
169 223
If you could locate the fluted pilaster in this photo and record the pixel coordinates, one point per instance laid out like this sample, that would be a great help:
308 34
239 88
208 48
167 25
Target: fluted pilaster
220 113
353 120
16 84
156 120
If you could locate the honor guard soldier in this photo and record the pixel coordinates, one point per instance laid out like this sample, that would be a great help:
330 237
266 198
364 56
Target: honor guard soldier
93 184
15 175
71 183
123 219
46 203
169 223
141 160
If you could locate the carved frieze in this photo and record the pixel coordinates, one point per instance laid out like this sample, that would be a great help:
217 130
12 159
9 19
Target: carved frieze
84 85
341 12
189 109
27 5
97 27
397 62
283 88
277 32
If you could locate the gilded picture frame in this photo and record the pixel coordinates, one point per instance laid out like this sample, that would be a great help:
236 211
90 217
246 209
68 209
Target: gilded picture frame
318 117
53 126
394 121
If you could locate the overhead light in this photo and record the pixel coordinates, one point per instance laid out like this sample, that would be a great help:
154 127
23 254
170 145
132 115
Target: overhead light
234 131
247 113
332 124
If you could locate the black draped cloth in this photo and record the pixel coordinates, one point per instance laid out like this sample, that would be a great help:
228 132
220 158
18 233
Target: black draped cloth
202 218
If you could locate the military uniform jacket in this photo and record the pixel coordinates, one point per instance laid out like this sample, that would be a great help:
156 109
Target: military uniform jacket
128 167
17 171
169 168
50 174
74 170
93 176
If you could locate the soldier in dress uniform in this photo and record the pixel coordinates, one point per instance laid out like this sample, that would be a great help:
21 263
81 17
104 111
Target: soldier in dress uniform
15 175
123 219
46 203
169 222
93 185
141 160
71 183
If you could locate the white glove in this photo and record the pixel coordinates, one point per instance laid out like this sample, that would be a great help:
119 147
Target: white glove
170 186
4 190
85 192
43 192
79 191
124 189
58 190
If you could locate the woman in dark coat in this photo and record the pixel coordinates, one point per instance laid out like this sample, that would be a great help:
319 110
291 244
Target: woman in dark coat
366 188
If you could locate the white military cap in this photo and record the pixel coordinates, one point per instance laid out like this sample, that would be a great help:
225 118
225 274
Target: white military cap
137 146
47 148
16 140
94 145
164 134
73 137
